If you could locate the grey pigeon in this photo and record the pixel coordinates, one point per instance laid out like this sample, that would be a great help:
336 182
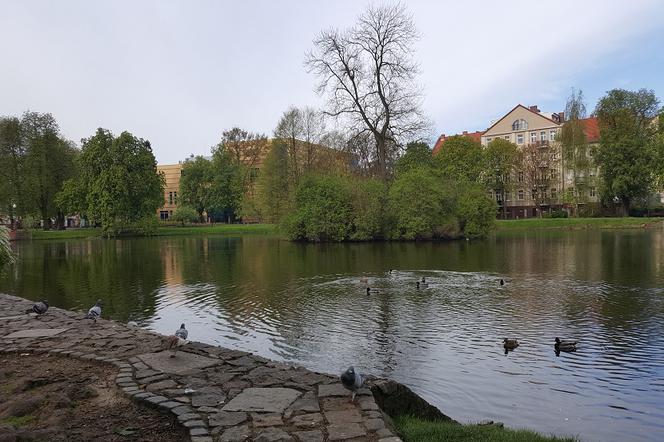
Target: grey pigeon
38 307
94 312
177 340
352 381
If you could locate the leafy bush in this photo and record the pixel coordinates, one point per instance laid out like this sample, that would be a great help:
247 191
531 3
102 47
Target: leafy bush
369 207
185 214
476 212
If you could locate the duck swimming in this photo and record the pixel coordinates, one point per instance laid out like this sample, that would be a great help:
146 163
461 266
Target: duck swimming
510 344
564 345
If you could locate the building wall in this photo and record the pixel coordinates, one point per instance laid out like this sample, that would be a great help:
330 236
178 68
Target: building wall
172 173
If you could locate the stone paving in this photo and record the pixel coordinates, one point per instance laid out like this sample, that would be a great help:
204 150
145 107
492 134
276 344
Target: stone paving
216 393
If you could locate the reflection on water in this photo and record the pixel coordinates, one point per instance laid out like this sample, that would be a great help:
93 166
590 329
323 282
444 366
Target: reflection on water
308 303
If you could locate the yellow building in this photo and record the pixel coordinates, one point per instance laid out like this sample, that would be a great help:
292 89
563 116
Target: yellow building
172 173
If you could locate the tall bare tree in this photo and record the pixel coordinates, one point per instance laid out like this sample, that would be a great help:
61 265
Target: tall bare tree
289 130
369 76
313 130
539 164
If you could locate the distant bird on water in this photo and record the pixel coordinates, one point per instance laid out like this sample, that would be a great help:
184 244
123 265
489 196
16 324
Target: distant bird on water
564 345
39 308
422 284
352 381
502 281
95 311
510 344
178 339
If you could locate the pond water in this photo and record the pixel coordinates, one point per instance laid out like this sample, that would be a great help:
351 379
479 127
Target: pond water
308 304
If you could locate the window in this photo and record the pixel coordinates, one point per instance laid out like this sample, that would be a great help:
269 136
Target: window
520 125
543 136
520 177
163 215
533 193
519 139
507 137
521 195
533 137
170 197
488 140
553 193
593 192
175 197
552 135
554 174
508 196
499 197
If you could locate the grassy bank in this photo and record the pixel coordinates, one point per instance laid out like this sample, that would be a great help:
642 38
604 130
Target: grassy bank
417 430
576 223
217 229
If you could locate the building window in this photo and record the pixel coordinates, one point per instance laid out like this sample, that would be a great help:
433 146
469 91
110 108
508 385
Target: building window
499 197
533 137
593 192
553 193
552 135
521 195
554 174
507 137
170 197
543 136
175 197
520 177
533 194
508 196
163 215
519 139
520 125
488 140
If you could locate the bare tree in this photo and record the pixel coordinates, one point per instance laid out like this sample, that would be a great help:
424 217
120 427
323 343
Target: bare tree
539 164
370 78
247 149
313 130
289 129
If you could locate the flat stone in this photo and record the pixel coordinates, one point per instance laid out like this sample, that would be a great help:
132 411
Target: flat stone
207 400
374 424
227 419
273 435
198 431
236 434
174 392
188 417
183 399
205 409
309 436
139 366
343 416
181 364
146 373
201 439
384 432
267 400
266 420
143 395
161 385
156 399
307 403
36 333
183 409
368 404
169 405
308 420
390 439
155 378
130 390
194 424
332 390
345 431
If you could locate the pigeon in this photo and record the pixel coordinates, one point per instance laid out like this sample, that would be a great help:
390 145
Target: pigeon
178 339
39 308
352 381
94 312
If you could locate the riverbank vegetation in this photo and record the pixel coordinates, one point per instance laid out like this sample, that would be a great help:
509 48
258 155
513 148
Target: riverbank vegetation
168 230
413 429
577 223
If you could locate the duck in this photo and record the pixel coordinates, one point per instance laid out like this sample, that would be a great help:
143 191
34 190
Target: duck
510 343
502 281
423 284
564 345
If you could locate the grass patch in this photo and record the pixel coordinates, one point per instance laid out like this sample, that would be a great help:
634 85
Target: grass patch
217 229
18 421
576 223
416 430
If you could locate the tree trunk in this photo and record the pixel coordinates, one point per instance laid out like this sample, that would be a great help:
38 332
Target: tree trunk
381 149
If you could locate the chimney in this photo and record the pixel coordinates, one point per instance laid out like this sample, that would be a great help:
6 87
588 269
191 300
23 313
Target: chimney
561 116
534 109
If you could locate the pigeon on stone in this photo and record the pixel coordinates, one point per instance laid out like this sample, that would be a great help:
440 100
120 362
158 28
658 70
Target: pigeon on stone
38 308
178 339
94 312
352 381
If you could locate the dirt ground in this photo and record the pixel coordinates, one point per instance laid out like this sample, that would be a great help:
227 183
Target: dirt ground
54 398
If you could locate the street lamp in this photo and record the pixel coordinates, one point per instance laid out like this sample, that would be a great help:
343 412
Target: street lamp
11 216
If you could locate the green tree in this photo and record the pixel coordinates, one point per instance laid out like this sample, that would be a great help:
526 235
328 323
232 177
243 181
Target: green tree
417 155
500 161
323 210
196 184
370 201
625 156
119 178
228 184
273 185
475 211
421 206
12 157
460 159
185 214
659 151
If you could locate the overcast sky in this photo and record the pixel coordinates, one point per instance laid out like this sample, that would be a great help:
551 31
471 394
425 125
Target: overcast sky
180 72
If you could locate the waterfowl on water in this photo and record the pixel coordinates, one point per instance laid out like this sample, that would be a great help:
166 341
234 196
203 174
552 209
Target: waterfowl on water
423 284
364 281
564 345
502 281
510 344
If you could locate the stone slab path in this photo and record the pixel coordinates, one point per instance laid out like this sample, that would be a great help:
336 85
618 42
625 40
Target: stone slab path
216 393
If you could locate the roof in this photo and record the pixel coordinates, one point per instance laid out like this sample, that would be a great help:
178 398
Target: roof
591 129
475 136
540 114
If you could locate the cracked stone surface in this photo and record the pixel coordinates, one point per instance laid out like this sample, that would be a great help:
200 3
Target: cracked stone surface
218 394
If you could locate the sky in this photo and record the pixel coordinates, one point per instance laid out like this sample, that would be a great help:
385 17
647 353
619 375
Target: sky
179 73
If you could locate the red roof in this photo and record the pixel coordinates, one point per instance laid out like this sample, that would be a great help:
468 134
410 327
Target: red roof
475 136
591 129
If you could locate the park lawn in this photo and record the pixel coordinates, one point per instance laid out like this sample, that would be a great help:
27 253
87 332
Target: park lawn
576 223
217 229
413 429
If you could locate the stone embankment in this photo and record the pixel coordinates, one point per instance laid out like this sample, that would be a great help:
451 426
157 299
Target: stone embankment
216 393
